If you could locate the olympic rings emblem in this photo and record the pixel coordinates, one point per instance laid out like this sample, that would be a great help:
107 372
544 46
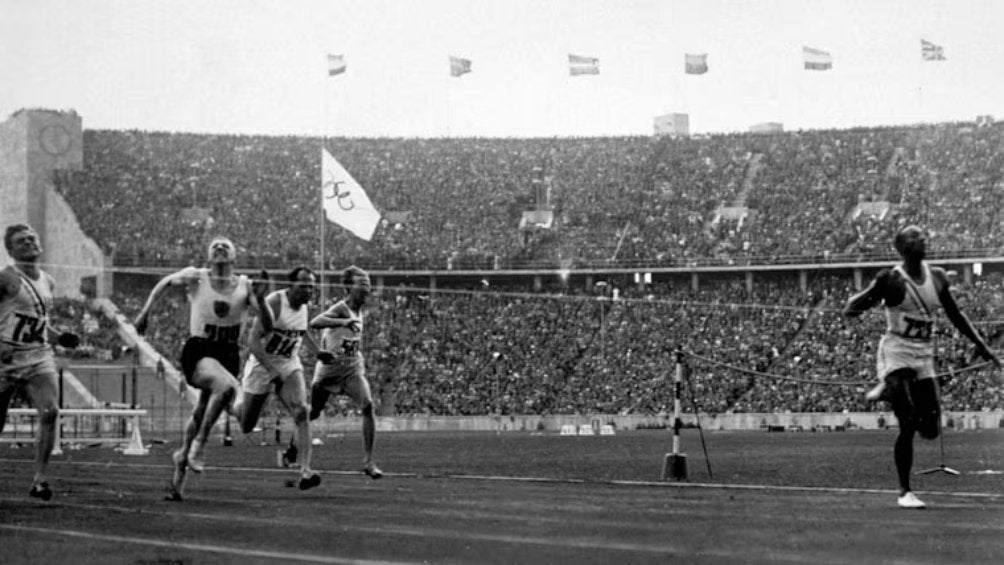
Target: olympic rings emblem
331 189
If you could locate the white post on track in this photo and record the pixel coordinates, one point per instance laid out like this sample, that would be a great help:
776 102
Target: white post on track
675 464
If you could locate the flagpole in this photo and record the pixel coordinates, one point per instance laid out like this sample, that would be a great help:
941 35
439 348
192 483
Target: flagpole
321 218
919 65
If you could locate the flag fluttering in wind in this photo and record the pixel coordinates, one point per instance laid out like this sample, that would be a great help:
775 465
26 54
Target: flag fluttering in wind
816 60
579 65
931 52
336 65
696 64
459 66
345 202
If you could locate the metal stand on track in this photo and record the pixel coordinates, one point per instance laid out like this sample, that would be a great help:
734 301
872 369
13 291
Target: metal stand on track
941 468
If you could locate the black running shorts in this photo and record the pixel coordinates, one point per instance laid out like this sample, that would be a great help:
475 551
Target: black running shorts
196 348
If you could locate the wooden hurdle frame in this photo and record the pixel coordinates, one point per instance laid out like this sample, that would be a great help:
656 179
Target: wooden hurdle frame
135 441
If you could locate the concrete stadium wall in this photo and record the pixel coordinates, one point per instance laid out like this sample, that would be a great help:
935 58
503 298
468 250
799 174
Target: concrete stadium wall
33 145
13 176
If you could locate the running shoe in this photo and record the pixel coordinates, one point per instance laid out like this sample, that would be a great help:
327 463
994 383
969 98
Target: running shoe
40 490
309 481
910 500
373 471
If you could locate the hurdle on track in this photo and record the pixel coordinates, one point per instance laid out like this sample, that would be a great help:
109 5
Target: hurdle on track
123 423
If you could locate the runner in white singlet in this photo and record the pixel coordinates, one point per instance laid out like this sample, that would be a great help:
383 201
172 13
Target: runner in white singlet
912 292
210 359
26 357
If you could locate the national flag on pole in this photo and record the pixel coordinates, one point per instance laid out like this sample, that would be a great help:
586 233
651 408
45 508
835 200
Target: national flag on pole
579 65
696 64
816 60
336 65
931 52
345 202
459 66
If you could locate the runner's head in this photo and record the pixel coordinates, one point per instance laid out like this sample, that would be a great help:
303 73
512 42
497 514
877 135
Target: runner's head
222 250
911 242
302 285
22 242
357 284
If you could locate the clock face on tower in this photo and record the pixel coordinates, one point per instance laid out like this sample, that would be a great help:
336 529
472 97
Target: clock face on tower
54 139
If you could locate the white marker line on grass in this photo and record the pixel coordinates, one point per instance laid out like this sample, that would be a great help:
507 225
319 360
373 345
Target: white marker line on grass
278 555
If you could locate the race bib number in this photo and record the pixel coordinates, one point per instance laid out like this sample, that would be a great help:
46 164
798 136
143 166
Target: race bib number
27 329
349 348
917 329
222 334
280 345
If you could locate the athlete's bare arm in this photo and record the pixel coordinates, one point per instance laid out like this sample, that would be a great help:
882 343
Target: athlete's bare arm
270 310
66 339
257 299
337 316
955 315
186 276
876 292
10 284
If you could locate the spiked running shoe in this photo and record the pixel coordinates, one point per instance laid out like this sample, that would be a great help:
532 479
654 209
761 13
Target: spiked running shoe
309 481
173 494
40 490
372 471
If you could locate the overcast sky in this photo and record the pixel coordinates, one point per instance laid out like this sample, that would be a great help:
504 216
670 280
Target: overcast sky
260 66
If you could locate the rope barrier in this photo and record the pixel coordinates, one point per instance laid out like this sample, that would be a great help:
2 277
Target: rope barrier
707 360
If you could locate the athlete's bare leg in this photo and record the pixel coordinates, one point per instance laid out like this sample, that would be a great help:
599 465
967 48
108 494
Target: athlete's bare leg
293 395
180 457
5 396
43 393
359 390
210 376
248 409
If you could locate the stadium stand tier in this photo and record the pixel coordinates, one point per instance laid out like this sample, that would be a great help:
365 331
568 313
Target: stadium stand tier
152 198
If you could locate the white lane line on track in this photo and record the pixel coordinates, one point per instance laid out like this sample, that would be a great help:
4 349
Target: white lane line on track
226 550
721 486
449 534
502 478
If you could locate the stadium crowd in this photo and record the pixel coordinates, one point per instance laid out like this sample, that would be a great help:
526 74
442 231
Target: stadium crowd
509 350
154 197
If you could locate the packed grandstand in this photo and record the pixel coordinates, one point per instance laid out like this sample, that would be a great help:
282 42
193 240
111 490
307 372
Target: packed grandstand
153 199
